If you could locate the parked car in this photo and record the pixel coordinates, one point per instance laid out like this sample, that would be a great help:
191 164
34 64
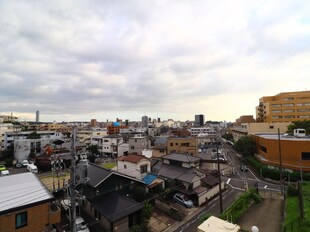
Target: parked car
25 163
244 168
182 200
81 225
5 173
32 168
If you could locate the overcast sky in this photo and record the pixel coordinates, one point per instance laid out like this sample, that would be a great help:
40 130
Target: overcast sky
77 60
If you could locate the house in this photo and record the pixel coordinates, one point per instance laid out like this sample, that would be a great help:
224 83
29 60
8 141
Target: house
109 144
138 143
182 145
26 204
160 147
109 199
134 165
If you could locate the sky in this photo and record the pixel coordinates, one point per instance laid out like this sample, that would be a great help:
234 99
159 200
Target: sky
83 59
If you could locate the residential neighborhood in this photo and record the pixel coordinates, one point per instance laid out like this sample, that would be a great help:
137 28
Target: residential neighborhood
189 176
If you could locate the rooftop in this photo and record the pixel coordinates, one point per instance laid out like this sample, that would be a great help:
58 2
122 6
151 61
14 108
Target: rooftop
21 190
131 158
185 158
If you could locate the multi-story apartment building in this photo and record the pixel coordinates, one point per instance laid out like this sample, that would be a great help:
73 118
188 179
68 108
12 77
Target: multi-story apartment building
182 145
284 107
202 130
138 143
199 120
85 136
108 144
5 127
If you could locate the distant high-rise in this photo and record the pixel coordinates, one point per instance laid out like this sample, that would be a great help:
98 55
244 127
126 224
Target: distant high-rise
199 120
93 122
37 116
144 121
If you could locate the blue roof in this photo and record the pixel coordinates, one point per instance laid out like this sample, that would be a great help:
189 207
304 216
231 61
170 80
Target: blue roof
149 178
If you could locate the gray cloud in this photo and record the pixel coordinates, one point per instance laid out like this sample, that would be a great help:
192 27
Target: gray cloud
80 58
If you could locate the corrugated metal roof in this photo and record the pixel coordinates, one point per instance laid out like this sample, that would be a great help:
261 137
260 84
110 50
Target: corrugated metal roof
21 190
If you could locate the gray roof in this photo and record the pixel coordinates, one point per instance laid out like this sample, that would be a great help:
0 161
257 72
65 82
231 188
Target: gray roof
97 174
185 158
160 141
21 190
114 206
175 172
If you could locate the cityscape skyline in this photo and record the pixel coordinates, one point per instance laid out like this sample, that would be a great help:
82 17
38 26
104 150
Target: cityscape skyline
77 60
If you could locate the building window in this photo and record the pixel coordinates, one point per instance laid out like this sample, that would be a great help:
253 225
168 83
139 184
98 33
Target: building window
276 105
143 168
21 220
305 155
132 147
270 127
288 105
288 99
125 166
171 144
276 111
262 148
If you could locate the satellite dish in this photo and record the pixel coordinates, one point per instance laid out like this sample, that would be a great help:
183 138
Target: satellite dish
147 153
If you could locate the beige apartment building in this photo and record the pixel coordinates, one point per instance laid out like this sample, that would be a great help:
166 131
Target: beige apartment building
284 107
182 145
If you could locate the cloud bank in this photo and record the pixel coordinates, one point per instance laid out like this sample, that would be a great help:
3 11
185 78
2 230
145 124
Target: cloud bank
77 60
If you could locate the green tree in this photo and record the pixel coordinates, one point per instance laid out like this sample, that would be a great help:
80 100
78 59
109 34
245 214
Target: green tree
245 145
33 135
305 124
94 149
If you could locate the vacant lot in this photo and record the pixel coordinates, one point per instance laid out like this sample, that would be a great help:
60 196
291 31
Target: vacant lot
267 215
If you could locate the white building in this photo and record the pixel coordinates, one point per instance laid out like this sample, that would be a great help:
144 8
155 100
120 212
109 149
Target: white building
108 144
202 130
134 165
85 136
23 145
5 127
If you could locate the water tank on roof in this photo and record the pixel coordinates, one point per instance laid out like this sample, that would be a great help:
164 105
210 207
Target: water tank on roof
116 124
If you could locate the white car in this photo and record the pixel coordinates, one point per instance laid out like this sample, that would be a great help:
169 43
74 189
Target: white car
32 168
5 173
81 225
25 163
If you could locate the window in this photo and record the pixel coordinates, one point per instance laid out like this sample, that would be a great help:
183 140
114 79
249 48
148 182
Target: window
171 144
288 111
305 155
132 147
125 166
276 105
288 105
288 99
276 111
262 148
143 168
21 220
270 127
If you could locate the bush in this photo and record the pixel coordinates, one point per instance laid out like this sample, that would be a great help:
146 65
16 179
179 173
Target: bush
292 191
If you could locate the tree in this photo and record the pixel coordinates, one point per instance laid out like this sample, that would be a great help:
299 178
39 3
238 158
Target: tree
33 135
245 145
305 124
94 149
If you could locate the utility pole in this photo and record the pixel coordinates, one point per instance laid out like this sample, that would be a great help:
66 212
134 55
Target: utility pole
280 163
219 176
73 182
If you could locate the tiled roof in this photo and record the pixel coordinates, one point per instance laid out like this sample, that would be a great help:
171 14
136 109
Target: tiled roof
131 158
97 174
185 158
114 206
